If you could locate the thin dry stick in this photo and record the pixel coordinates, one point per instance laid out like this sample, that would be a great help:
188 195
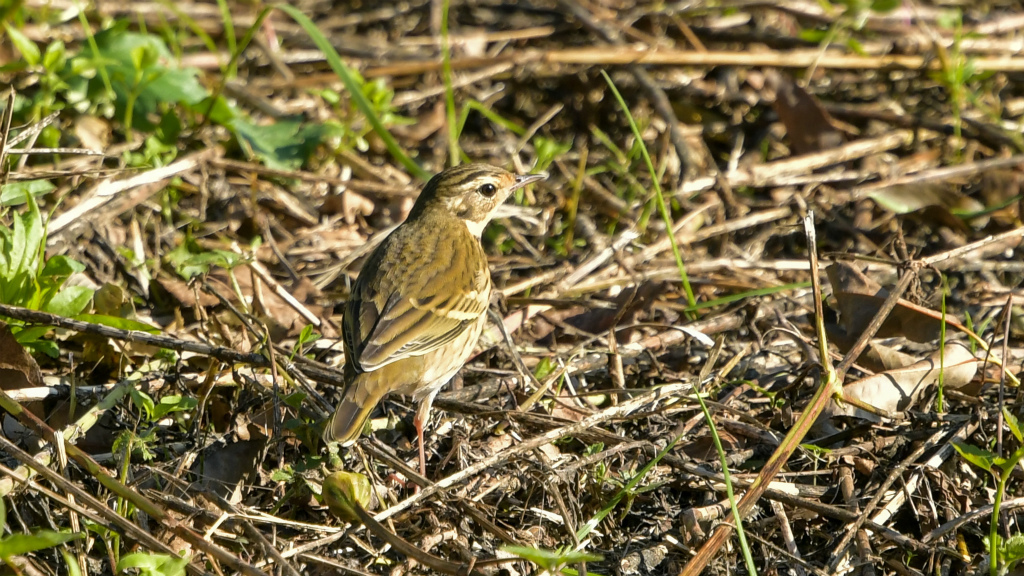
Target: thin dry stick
601 56
622 56
611 413
787 535
47 319
141 502
315 371
100 514
105 191
1008 314
252 532
265 275
941 173
943 260
984 512
840 549
5 133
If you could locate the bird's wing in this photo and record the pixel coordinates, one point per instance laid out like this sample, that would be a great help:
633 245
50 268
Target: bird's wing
397 313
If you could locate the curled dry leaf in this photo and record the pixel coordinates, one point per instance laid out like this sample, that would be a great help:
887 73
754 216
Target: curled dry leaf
878 357
703 447
896 390
349 204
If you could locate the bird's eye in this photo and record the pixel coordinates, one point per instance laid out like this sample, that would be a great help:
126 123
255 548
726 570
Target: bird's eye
488 189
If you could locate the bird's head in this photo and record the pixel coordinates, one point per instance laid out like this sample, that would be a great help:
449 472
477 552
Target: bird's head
471 192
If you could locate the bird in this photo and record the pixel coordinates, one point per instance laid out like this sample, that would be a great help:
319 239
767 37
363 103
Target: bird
419 303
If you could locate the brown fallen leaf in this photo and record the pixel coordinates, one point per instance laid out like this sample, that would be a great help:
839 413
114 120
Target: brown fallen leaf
703 447
859 298
1001 190
565 408
809 126
18 369
628 306
94 133
183 295
226 464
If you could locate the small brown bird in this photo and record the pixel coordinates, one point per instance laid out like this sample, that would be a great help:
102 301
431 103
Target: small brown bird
420 301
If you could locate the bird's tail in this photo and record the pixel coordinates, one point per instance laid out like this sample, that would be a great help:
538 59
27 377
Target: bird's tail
360 398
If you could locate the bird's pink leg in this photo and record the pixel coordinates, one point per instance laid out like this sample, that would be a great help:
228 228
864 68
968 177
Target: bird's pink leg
422 417
419 433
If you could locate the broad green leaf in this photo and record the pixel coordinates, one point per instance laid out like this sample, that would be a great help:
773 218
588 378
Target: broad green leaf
70 301
295 400
551 559
61 266
12 67
27 335
882 6
307 336
144 402
181 259
813 35
219 258
18 544
48 348
282 475
13 194
70 563
149 564
29 50
54 58
23 248
141 70
164 82
1013 423
174 403
222 112
1013 549
981 458
548 150
285 144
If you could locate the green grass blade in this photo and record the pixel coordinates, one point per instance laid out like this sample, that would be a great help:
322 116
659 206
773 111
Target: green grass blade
748 294
449 91
624 491
659 197
229 35
348 78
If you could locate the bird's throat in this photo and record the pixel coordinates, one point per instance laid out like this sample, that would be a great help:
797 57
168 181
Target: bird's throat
475 228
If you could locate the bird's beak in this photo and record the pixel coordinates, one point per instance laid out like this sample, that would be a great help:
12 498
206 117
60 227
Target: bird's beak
522 181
